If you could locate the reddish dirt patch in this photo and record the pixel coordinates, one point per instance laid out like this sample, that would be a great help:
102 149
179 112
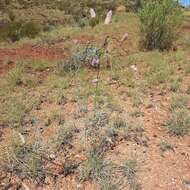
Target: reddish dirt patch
27 51
186 28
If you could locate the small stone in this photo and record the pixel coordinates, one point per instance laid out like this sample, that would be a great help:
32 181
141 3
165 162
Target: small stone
134 67
52 156
25 187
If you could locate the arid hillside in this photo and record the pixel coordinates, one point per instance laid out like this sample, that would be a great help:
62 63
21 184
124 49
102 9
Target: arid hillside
86 105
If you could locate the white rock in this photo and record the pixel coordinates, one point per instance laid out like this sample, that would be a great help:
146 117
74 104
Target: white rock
25 187
52 156
134 67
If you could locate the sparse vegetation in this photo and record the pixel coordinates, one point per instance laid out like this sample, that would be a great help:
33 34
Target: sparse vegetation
165 146
78 97
63 137
21 158
82 56
130 169
179 101
15 31
12 113
179 122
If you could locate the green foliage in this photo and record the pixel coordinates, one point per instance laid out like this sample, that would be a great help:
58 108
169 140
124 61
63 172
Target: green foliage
160 21
17 30
119 123
18 76
96 168
14 77
21 158
165 145
179 101
158 72
36 64
179 122
80 57
63 137
92 166
130 169
175 84
12 113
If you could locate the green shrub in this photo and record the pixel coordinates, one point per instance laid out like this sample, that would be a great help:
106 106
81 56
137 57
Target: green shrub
130 170
63 137
18 76
92 166
179 101
14 77
80 57
160 21
165 145
179 122
21 158
12 113
36 64
99 170
16 30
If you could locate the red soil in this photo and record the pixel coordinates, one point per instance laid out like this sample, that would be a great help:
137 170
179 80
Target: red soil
27 51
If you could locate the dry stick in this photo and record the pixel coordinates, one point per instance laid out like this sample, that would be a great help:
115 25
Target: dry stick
104 46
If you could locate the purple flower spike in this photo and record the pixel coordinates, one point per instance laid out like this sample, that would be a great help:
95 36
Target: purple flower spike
125 36
95 62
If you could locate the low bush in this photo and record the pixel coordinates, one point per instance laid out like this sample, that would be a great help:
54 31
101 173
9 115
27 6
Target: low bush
12 113
179 101
63 137
21 158
160 21
80 57
14 77
179 122
165 145
16 30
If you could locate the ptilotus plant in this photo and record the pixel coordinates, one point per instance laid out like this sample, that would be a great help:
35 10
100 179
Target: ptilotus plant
83 56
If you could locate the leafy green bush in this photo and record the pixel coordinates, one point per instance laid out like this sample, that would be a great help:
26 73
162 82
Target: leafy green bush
160 21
